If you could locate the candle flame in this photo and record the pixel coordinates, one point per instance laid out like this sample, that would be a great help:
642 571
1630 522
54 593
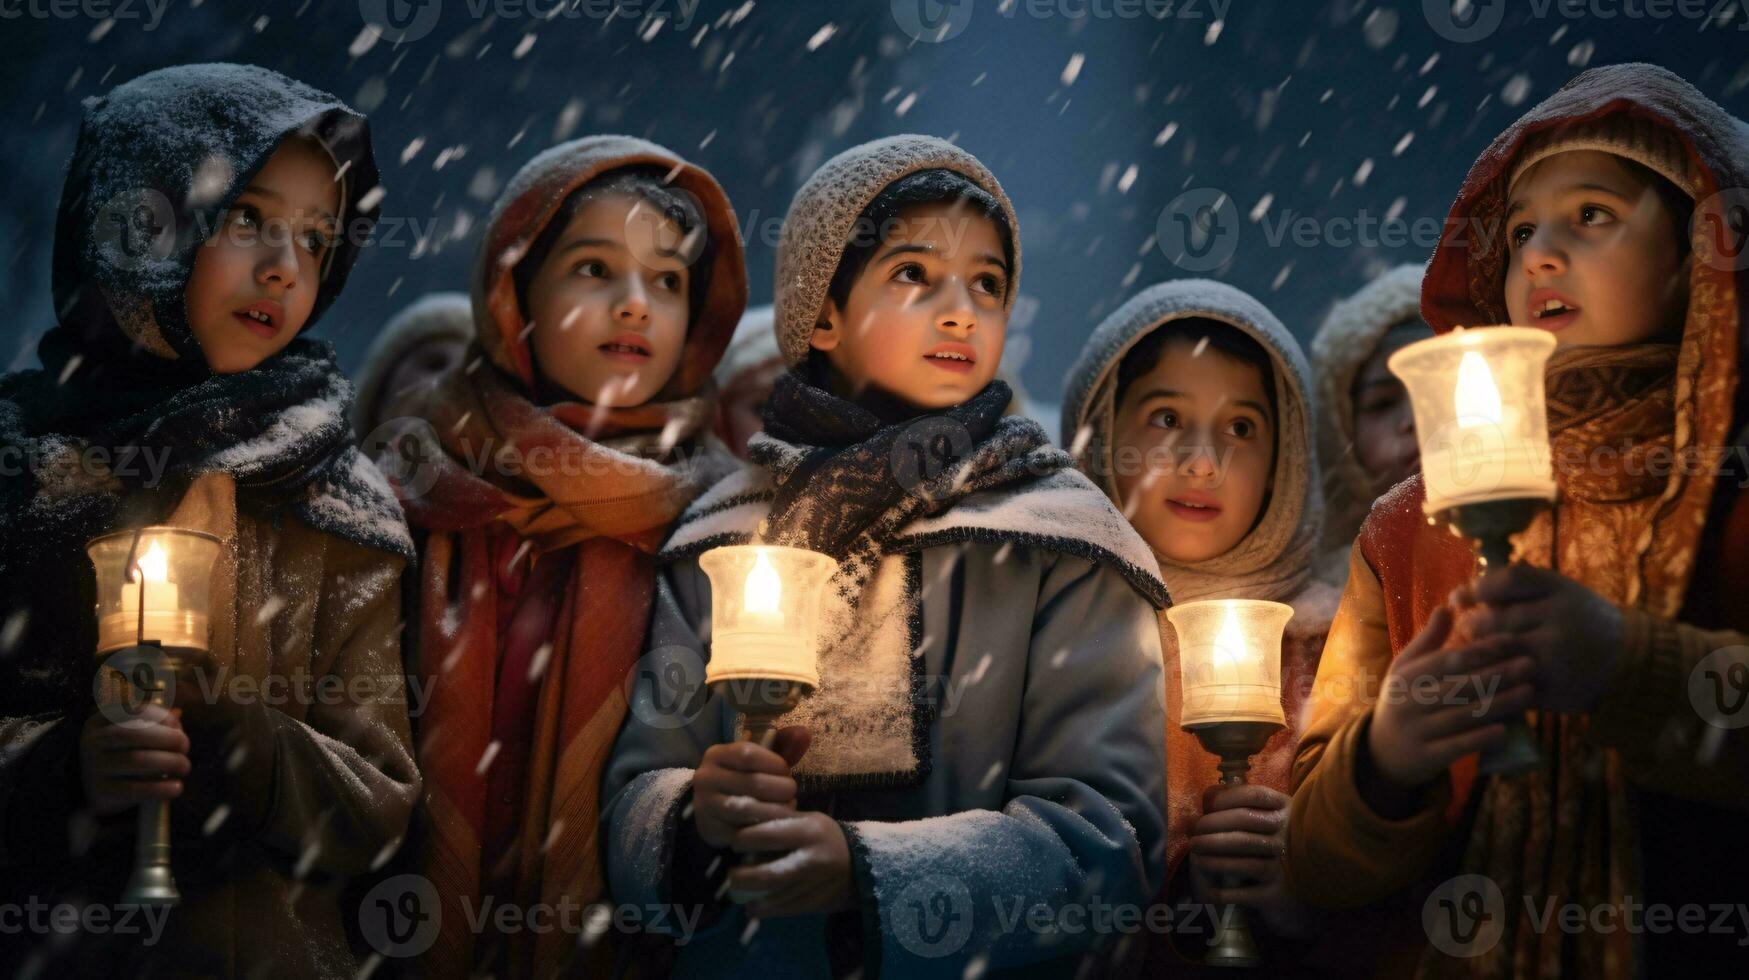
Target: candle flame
764 588
153 566
1478 399
1230 641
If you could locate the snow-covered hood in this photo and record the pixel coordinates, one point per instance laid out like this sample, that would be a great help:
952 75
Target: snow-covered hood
157 163
1274 560
531 199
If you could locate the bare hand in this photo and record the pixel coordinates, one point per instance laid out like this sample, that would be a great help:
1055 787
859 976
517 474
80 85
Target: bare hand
812 877
739 784
1574 636
123 765
1444 701
1237 855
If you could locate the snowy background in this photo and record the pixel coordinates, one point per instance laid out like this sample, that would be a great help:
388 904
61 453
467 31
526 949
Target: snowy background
1338 131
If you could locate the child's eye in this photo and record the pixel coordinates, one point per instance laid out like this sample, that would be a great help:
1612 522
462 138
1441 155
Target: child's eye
590 269
1521 234
1591 214
989 283
909 272
315 242
245 217
1243 428
1164 418
670 281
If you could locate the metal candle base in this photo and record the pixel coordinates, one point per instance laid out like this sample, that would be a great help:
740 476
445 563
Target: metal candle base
151 882
761 702
1234 742
1489 526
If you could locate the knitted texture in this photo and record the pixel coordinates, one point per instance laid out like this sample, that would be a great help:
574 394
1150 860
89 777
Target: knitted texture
823 215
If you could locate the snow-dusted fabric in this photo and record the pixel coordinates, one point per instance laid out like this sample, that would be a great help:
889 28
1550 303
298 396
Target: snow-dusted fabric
535 194
502 485
1347 338
822 218
1569 831
443 317
1036 663
754 344
1274 560
303 774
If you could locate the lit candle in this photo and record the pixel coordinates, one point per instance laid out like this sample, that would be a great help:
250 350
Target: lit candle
152 573
1229 658
1479 414
761 607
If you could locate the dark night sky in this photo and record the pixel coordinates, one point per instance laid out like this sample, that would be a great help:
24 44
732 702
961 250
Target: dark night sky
1094 123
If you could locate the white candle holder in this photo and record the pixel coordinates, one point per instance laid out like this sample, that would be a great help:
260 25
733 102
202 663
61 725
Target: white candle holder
765 612
1229 662
1481 416
154 592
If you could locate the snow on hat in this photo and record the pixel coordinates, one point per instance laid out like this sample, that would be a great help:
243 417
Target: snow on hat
824 214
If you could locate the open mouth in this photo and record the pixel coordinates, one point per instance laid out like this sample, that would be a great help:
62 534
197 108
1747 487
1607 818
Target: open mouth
262 319
628 347
1198 511
958 358
1550 310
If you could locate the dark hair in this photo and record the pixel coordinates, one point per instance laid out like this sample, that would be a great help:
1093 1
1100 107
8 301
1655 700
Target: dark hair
1674 199
1223 338
936 186
645 182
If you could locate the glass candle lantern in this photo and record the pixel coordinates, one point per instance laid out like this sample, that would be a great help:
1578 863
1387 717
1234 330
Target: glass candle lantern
164 572
1480 414
765 611
1229 658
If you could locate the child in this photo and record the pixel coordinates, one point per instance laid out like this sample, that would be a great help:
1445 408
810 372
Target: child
745 378
1366 432
1191 408
987 733
419 345
1619 594
607 285
177 389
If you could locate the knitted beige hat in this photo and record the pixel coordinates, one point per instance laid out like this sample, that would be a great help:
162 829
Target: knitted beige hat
823 216
1644 141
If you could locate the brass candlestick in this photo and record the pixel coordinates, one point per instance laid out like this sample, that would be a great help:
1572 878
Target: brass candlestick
1489 526
1234 742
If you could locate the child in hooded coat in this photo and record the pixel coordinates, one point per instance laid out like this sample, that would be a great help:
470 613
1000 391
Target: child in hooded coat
1624 599
541 506
986 738
1366 430
1144 429
417 346
176 390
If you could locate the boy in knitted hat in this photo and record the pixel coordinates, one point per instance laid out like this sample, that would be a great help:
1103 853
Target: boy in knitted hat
987 733
1366 430
1624 603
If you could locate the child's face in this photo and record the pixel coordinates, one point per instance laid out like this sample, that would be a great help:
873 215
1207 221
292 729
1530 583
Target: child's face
1193 451
609 322
255 280
1384 420
418 370
926 319
1590 236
